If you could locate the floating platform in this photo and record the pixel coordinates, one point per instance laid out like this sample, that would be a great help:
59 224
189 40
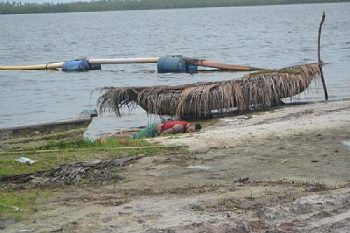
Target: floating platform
165 64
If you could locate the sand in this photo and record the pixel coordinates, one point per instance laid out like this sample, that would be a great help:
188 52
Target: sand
285 170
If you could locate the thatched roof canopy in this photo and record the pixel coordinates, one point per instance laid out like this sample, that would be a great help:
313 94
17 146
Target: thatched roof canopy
261 89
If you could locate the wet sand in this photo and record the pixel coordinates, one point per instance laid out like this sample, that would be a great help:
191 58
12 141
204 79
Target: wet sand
286 170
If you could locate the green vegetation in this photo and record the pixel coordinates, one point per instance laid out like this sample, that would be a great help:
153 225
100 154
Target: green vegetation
57 153
112 5
20 204
86 143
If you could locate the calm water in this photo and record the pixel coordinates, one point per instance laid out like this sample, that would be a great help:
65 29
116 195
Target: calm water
264 36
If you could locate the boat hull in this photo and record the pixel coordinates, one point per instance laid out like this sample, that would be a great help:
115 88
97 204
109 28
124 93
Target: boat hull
40 134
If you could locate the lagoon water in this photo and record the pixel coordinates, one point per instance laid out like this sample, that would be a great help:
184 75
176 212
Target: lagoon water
261 36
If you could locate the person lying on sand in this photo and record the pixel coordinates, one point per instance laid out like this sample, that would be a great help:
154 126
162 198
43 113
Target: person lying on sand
168 127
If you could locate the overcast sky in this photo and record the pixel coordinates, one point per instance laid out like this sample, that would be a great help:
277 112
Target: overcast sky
42 1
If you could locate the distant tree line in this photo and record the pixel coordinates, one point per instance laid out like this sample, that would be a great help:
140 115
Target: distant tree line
112 5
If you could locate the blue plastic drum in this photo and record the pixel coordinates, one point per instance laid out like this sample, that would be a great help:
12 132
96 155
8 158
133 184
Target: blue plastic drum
76 65
171 64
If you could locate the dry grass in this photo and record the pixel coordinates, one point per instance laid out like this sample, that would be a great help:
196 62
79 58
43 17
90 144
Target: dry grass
260 90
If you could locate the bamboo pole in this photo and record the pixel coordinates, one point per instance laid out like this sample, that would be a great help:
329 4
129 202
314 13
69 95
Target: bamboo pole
320 63
124 60
92 61
47 66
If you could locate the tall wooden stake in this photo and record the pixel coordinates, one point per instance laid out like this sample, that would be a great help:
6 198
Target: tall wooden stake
319 57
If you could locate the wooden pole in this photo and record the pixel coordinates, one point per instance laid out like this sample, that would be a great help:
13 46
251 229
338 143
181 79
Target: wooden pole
320 63
58 65
47 66
124 60
220 66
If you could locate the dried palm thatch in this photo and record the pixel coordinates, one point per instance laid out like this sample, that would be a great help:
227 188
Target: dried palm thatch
261 89
73 172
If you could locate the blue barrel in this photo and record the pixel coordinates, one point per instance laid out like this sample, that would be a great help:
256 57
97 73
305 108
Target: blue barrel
76 65
190 68
171 64
175 64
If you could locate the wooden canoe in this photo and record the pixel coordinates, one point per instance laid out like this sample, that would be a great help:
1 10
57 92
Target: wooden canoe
37 135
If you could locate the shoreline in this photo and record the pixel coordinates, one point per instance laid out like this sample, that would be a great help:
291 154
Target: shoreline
285 170
284 121
44 8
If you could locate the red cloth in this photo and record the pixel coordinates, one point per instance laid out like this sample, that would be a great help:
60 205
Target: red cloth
170 124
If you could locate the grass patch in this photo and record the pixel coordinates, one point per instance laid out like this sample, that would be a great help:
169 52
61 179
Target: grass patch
86 143
61 152
21 204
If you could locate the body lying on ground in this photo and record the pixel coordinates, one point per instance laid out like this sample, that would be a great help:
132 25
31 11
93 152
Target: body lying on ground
168 127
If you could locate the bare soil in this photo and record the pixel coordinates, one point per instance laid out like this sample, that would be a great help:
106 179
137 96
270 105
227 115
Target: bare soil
281 171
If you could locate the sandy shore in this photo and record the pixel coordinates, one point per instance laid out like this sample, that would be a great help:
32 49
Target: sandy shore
285 170
283 121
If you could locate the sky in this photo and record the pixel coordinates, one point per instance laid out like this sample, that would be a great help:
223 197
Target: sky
43 1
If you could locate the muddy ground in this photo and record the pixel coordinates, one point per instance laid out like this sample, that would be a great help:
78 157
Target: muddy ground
281 171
